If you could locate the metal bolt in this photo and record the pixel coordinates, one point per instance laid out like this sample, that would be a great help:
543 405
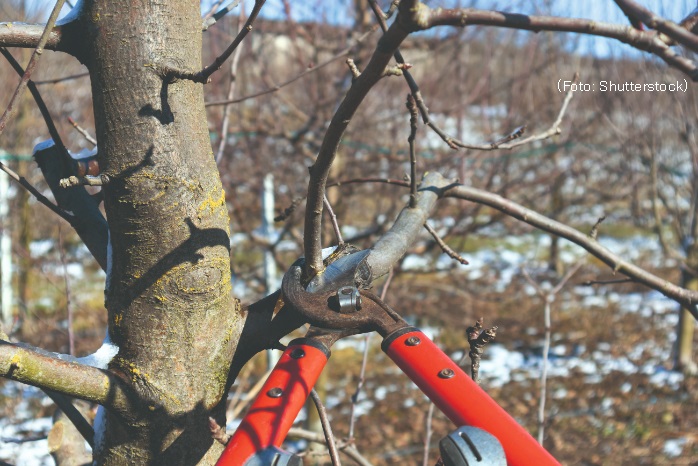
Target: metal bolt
349 299
413 341
297 353
275 392
446 373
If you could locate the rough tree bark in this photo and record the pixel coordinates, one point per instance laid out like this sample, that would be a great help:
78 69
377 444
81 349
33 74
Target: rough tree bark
168 293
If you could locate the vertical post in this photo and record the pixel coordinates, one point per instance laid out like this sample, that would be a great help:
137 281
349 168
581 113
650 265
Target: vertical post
270 271
5 255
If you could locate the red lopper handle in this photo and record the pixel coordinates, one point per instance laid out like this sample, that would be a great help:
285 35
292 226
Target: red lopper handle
280 400
459 398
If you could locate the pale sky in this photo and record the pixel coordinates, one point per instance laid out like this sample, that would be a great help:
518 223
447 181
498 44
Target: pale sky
337 12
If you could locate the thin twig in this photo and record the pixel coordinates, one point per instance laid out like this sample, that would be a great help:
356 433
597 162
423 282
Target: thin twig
204 75
548 298
48 119
333 221
82 131
421 105
64 78
428 434
231 92
411 107
53 131
445 247
327 428
33 61
607 282
346 447
685 297
236 409
364 362
278 87
68 217
648 41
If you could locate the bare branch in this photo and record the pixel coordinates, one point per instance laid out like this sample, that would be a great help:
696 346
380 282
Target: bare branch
204 76
333 221
393 245
341 119
326 427
69 378
647 41
669 28
445 247
33 61
278 87
412 108
39 197
29 35
683 296
82 131
63 79
50 125
231 92
346 448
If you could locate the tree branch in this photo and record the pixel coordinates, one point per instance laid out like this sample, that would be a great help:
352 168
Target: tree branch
393 245
69 378
295 78
341 119
683 296
10 111
669 28
204 76
28 36
346 448
648 41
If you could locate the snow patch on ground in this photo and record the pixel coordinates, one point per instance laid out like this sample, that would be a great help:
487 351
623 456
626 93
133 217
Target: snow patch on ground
34 453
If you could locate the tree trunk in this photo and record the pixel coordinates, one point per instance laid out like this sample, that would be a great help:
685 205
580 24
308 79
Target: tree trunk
168 291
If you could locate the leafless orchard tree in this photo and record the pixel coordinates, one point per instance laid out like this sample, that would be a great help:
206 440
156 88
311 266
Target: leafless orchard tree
182 336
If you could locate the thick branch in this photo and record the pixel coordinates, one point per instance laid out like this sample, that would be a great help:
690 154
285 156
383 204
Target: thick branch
648 41
671 29
69 378
320 170
393 245
28 36
683 296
